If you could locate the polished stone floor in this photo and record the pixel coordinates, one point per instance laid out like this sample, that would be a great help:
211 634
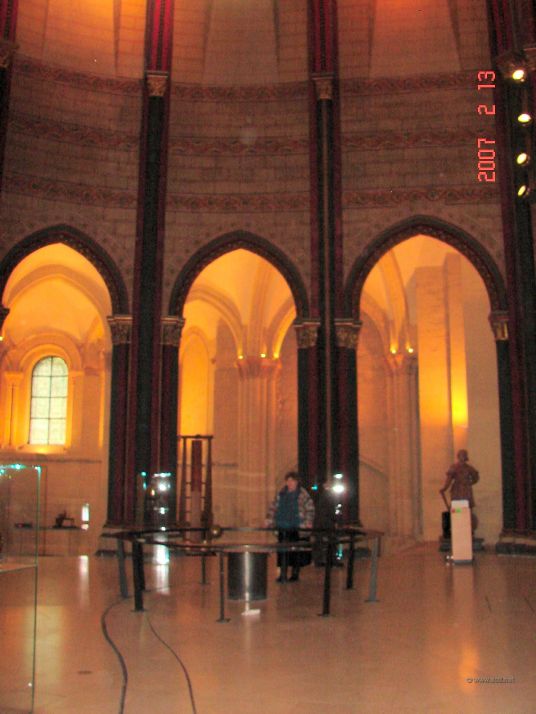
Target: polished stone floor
441 639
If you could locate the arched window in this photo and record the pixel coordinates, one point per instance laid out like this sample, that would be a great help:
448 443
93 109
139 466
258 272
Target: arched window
48 408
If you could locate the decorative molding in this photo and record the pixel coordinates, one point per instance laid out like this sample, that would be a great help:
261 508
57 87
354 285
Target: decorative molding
79 80
72 133
377 198
252 367
498 319
120 328
7 52
234 146
323 86
306 333
410 139
347 333
239 203
172 330
240 93
4 312
157 83
417 83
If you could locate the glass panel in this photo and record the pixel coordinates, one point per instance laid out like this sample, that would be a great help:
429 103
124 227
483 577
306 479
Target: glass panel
39 431
40 406
59 387
43 368
59 368
57 431
58 406
40 386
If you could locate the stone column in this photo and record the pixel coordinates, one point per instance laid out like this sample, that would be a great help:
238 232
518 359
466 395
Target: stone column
121 329
8 46
144 417
171 337
256 437
306 338
347 334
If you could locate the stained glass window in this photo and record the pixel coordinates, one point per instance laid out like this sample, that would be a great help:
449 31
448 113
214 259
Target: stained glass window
48 407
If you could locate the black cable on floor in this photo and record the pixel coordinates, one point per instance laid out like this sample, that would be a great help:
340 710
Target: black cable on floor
181 663
118 654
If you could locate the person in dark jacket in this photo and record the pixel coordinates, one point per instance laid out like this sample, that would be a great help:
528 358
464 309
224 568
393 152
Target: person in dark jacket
291 510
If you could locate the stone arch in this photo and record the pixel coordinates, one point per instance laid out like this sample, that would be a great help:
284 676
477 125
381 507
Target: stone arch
435 228
227 243
84 245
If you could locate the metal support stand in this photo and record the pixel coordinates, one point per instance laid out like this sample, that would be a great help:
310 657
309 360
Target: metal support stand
327 579
203 569
222 617
374 571
138 574
350 568
123 588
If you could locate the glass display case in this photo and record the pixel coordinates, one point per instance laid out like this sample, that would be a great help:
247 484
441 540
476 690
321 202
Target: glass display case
19 532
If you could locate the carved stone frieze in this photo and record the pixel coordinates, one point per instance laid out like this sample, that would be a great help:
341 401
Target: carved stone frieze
121 329
347 333
498 319
306 333
172 330
157 83
324 86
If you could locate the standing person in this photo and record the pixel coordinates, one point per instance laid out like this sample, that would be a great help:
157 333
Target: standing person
291 510
461 477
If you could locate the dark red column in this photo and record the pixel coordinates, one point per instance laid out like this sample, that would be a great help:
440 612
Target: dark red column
8 22
513 42
144 417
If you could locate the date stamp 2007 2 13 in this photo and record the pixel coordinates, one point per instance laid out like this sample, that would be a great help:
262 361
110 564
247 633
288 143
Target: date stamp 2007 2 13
486 147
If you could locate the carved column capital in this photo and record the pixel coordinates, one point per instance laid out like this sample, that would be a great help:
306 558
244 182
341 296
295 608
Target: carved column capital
306 333
347 333
498 319
530 54
507 62
172 330
121 329
157 83
324 86
4 312
7 52
252 366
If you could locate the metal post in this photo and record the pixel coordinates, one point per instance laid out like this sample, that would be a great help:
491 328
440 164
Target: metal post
203 568
327 578
123 588
374 571
350 568
222 617
137 574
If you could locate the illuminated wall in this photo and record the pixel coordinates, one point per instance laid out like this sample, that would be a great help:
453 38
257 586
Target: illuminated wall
427 386
238 380
58 306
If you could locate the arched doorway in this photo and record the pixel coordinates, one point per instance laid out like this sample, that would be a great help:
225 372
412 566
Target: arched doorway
55 382
427 382
238 380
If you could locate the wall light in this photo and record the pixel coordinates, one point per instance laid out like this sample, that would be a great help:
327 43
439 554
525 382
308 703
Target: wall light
524 118
522 159
519 74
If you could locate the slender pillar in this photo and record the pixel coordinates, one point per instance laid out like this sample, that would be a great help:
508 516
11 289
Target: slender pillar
144 417
8 46
171 335
326 224
513 39
308 377
347 334
121 329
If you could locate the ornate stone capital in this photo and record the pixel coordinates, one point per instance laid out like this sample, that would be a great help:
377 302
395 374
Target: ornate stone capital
347 333
306 333
7 51
498 319
254 367
530 54
324 86
121 329
507 62
157 83
4 312
172 330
